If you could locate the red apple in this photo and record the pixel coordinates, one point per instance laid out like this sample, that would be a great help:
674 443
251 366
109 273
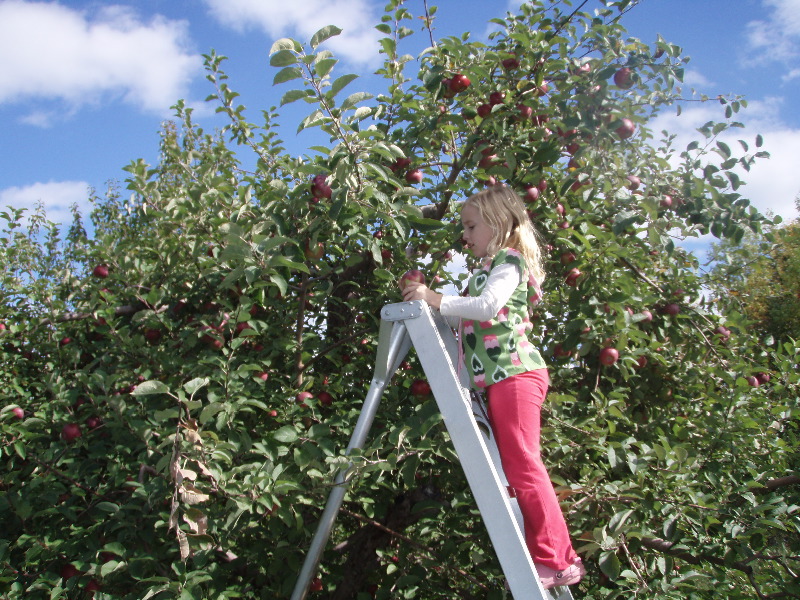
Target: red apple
64 341
762 377
623 79
70 432
459 82
542 185
641 362
93 422
100 271
411 275
18 412
263 376
525 111
68 571
671 309
497 98
152 335
420 388
560 352
626 129
648 316
414 176
325 398
722 333
511 63
666 201
301 398
320 188
488 161
400 164
532 193
572 277
484 110
567 257
316 585
753 381
633 182
609 356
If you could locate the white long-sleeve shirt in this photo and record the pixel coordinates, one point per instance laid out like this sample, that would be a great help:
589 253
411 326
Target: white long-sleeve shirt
502 282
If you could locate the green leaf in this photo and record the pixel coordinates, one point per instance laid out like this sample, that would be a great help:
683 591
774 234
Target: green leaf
324 67
108 507
283 44
339 83
610 565
287 74
192 386
354 99
283 286
323 34
152 386
286 434
286 262
292 96
209 411
283 58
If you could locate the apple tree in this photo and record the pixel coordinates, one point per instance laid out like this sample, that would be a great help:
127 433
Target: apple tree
178 386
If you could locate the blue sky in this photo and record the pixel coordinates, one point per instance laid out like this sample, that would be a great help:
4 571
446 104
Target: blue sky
85 84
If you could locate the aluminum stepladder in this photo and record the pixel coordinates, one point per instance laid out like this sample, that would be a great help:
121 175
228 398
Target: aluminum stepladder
402 325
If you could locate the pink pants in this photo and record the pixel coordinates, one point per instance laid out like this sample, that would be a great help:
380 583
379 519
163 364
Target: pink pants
514 412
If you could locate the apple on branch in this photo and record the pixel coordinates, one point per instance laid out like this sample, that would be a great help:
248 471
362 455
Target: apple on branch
626 128
609 356
320 188
100 271
623 78
414 176
70 432
420 388
458 83
412 275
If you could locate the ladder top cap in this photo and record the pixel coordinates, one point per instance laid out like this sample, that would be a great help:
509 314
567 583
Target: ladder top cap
402 311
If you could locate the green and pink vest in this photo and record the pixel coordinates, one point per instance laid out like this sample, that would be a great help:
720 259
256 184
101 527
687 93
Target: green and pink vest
500 347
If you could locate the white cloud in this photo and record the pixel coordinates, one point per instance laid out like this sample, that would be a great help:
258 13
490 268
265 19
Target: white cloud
776 38
56 197
358 41
772 184
79 59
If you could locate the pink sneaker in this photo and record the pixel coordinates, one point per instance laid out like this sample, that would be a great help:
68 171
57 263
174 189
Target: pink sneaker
551 578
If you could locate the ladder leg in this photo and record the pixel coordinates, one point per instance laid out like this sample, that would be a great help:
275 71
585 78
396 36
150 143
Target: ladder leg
393 345
483 471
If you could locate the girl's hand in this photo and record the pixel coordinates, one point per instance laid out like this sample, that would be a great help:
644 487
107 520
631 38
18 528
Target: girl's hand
419 291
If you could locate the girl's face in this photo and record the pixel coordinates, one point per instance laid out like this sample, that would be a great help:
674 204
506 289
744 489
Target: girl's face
477 234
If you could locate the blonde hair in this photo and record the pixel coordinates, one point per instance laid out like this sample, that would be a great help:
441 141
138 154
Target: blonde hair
504 212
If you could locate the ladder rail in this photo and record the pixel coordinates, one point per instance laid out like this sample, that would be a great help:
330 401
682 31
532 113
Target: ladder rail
393 345
402 325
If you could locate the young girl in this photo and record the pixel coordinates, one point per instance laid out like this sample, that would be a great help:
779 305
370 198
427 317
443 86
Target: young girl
501 360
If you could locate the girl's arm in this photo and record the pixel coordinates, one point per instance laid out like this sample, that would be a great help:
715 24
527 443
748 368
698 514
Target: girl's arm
502 282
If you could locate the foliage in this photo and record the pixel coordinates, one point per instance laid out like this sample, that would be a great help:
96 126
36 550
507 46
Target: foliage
240 276
761 277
